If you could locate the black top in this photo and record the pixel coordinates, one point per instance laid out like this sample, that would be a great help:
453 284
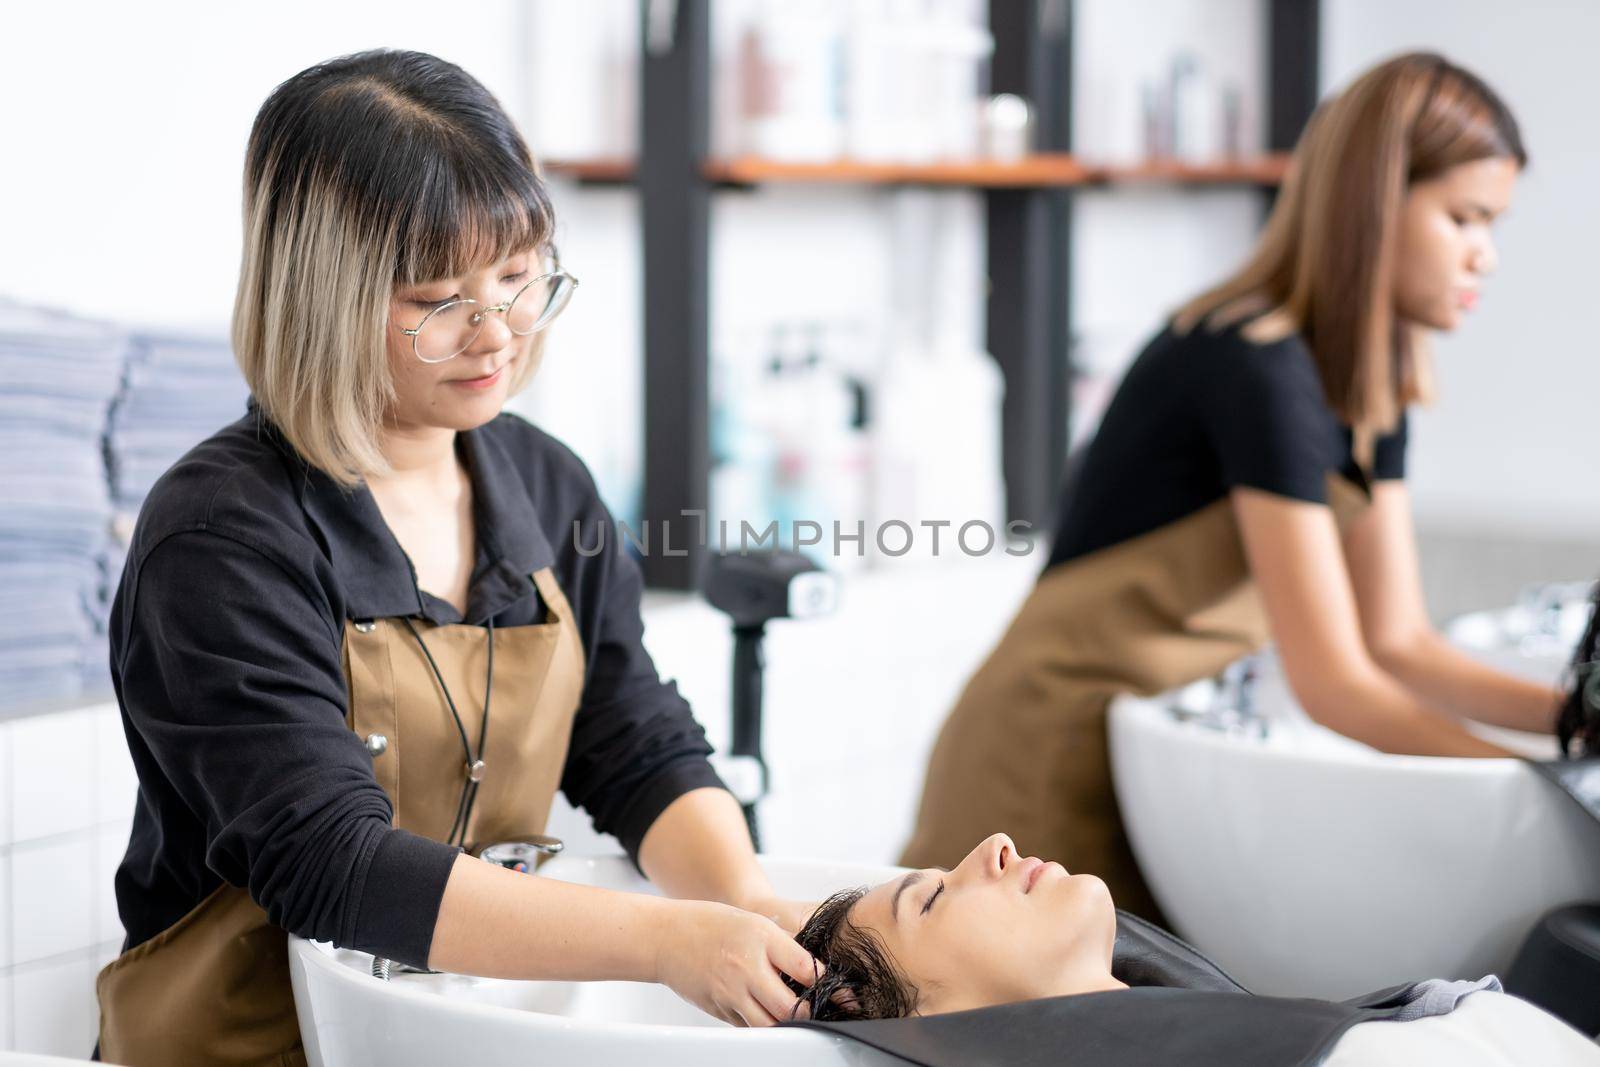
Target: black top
226 640
1198 414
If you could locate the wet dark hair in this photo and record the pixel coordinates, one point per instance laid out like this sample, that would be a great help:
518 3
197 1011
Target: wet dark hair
862 980
1578 723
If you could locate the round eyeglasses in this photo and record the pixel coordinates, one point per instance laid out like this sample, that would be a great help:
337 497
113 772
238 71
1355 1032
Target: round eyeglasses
449 329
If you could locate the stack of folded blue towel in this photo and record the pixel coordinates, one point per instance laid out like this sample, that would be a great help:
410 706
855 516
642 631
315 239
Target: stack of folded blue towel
90 416
58 376
179 391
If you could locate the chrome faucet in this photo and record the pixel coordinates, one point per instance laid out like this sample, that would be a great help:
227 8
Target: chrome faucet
1545 607
1231 707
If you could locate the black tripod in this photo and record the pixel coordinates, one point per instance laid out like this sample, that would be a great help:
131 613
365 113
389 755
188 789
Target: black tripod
754 589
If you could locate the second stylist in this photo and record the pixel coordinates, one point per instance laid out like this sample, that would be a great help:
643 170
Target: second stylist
1246 485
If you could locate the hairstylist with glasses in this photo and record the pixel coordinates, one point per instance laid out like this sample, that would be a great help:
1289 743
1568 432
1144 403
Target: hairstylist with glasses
354 641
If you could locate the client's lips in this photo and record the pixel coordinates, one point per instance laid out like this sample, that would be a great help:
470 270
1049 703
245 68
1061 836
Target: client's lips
1031 869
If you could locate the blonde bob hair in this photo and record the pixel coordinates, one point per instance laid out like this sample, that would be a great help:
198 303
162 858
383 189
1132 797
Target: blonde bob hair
365 173
1325 265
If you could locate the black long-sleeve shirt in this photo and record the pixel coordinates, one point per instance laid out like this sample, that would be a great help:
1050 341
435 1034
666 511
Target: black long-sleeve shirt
226 638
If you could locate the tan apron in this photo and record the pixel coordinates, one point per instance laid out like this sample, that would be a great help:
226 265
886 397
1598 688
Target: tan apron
214 987
1024 751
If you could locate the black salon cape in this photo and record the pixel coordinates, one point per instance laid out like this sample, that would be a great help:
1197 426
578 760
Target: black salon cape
1181 1010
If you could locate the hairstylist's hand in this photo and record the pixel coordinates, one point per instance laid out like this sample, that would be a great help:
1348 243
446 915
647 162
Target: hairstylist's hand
728 962
789 914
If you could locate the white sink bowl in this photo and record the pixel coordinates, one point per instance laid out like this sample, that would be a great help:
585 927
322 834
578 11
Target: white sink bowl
1530 644
1309 864
348 1017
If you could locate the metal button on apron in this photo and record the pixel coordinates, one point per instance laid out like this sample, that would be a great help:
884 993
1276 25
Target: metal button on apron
365 626
377 744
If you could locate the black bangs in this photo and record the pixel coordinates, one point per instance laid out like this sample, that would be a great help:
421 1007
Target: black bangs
412 150
469 209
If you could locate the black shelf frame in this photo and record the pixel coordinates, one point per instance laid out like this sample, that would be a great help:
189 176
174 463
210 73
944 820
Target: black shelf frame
1028 318
1029 257
675 212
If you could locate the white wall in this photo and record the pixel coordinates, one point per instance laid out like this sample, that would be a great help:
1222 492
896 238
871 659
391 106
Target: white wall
1512 443
125 128
120 194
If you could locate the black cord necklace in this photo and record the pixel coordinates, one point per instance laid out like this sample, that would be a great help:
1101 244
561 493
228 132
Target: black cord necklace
474 762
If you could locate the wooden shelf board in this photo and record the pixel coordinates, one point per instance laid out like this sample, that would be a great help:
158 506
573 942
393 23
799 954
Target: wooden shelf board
591 170
1032 172
1045 170
1258 170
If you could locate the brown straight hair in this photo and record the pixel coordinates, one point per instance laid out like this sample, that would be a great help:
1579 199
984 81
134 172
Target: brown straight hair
1325 265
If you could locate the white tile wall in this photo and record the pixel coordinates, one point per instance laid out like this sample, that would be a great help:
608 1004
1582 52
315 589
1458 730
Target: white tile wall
53 1006
51 898
52 768
110 843
6 912
6 790
115 783
66 804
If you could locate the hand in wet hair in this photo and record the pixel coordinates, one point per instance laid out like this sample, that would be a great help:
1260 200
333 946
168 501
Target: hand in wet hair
861 980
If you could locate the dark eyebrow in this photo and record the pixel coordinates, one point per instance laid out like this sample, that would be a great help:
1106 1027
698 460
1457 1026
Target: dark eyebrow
905 883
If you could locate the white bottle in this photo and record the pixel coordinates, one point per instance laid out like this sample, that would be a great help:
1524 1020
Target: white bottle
936 452
798 112
957 50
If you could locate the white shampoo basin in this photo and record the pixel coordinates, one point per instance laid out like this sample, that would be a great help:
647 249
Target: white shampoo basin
1533 639
1309 864
349 1018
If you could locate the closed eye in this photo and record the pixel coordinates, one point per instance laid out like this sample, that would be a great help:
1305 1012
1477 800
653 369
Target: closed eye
933 896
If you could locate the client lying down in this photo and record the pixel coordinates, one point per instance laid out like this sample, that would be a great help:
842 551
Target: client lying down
1011 960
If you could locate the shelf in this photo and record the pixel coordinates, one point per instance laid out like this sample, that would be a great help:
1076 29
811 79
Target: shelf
1041 171
1038 171
1260 170
1028 237
597 171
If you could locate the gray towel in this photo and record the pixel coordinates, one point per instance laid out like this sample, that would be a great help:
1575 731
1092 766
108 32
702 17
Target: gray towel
1438 996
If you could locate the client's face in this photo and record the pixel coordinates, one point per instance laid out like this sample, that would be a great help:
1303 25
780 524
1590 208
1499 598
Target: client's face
999 928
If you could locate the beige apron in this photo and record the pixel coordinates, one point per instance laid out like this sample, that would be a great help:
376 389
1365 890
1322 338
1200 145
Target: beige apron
214 987
1024 751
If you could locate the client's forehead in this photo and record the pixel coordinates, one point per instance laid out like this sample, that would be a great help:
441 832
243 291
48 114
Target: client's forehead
873 908
888 904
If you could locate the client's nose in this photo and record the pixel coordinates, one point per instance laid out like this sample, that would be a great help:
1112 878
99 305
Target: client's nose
991 858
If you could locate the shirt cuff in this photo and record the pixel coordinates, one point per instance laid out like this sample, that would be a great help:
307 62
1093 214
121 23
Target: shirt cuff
400 897
674 780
